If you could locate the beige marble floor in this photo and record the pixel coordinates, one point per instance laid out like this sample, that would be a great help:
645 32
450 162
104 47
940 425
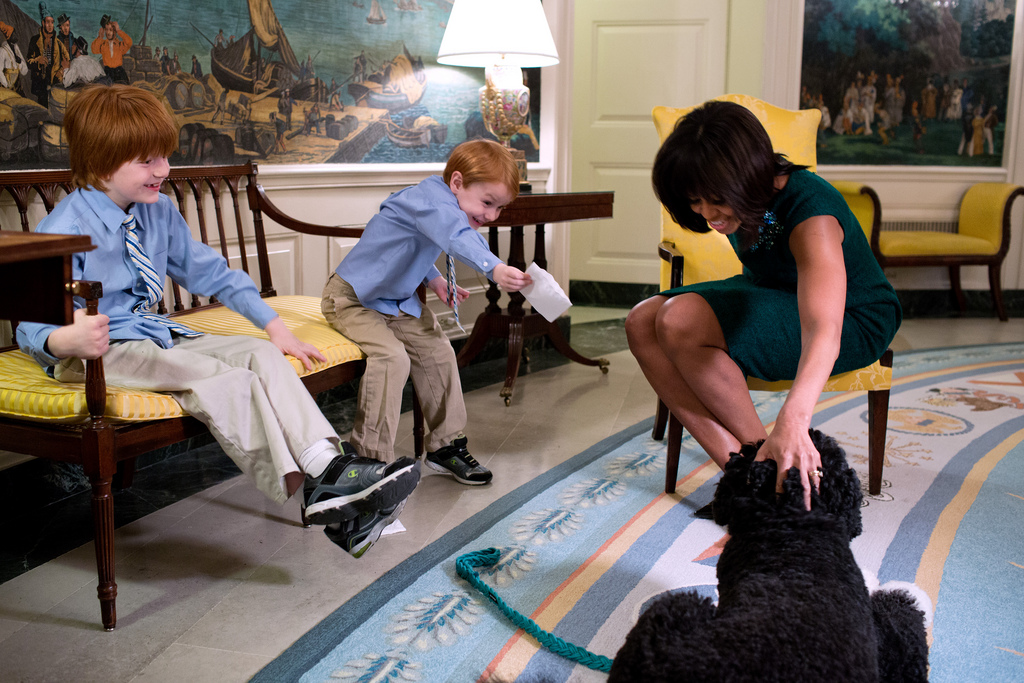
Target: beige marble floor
214 587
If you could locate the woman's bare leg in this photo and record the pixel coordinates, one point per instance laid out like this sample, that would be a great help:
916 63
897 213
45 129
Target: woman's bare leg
681 350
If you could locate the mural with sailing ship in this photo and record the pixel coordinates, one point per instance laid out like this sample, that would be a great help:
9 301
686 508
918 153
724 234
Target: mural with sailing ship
282 81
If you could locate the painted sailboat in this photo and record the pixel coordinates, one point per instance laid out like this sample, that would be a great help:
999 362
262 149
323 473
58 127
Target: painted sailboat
263 61
376 15
395 86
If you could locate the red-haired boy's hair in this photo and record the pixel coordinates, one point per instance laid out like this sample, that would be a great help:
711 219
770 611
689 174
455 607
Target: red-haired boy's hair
484 161
110 125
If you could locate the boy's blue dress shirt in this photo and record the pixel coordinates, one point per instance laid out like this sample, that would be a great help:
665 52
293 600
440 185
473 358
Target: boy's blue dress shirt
168 242
397 251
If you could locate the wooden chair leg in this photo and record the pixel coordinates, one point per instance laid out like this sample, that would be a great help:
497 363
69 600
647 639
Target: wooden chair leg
878 422
660 421
103 529
878 418
997 290
675 438
958 292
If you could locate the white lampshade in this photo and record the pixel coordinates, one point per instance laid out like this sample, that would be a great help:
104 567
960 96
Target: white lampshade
486 33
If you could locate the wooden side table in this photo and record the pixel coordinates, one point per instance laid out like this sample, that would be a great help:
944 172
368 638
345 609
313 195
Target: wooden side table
41 266
513 323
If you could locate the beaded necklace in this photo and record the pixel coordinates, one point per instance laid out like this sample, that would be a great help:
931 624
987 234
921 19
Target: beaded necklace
767 232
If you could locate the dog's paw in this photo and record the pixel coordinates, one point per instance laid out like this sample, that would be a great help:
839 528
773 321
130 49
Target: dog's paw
924 603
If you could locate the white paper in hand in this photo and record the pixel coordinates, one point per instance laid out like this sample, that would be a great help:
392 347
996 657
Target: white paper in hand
544 294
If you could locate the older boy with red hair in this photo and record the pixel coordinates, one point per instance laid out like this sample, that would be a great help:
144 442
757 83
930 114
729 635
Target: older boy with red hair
242 388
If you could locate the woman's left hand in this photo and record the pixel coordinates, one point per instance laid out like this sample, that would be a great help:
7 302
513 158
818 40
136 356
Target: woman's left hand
789 445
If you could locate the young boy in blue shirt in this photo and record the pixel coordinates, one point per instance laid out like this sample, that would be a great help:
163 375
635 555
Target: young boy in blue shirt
371 299
242 388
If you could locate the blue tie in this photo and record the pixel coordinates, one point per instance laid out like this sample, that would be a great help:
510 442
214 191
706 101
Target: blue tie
154 284
452 292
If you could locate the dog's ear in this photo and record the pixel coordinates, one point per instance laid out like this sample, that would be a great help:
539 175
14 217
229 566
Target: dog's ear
839 491
745 481
733 483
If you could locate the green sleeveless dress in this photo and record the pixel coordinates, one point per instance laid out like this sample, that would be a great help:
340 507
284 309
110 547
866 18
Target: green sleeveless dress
758 309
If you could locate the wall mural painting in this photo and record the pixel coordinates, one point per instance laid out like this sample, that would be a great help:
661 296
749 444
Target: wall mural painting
278 81
909 82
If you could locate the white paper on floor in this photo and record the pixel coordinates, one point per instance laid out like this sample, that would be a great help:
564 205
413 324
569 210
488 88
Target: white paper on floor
396 527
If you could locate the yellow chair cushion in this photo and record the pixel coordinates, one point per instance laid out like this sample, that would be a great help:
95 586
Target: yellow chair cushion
794 133
860 204
27 392
930 243
873 377
981 212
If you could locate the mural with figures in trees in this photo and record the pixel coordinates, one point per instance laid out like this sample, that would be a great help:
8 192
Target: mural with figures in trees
912 82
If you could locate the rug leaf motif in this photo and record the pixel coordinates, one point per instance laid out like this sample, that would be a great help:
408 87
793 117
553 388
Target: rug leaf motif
638 464
515 560
376 668
437 619
549 524
592 492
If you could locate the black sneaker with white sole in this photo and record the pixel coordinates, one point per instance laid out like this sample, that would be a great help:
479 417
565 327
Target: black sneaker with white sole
356 535
454 459
352 485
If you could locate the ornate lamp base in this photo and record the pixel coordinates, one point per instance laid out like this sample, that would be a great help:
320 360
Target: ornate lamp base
505 107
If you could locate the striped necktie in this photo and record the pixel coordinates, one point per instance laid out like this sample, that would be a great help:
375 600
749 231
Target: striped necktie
154 283
453 296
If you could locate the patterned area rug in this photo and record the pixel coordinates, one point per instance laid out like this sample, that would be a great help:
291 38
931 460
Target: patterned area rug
587 545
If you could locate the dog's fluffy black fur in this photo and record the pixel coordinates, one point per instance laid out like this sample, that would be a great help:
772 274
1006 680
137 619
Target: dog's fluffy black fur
793 605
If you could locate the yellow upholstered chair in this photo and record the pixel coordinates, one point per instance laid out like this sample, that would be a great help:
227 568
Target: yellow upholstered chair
691 257
982 239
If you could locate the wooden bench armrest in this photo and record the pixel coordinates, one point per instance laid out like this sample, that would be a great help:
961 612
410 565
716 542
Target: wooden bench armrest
95 380
258 200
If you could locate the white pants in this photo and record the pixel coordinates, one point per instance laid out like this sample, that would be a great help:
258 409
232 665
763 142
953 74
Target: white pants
243 389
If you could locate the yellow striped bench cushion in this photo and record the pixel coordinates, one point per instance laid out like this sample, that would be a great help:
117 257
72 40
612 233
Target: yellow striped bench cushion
27 392
301 314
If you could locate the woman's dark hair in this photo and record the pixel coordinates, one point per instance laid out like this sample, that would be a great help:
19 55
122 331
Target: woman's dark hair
721 153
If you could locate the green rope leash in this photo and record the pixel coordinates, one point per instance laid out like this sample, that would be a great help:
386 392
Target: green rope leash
464 566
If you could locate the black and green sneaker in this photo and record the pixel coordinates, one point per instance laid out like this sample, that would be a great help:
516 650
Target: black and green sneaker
352 485
356 535
455 460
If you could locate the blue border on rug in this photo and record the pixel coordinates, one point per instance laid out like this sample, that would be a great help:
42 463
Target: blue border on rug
318 642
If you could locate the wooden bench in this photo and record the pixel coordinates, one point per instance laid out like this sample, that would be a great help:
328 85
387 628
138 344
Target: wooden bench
105 428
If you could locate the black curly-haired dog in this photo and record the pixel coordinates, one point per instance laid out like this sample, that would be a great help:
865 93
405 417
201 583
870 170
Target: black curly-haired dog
793 605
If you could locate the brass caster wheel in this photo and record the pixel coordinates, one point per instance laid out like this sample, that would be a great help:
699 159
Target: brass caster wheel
508 401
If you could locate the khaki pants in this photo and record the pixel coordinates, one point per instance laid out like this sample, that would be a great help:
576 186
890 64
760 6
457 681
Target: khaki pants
397 348
243 389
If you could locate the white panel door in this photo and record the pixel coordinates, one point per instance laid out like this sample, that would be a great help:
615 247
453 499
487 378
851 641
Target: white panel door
628 58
